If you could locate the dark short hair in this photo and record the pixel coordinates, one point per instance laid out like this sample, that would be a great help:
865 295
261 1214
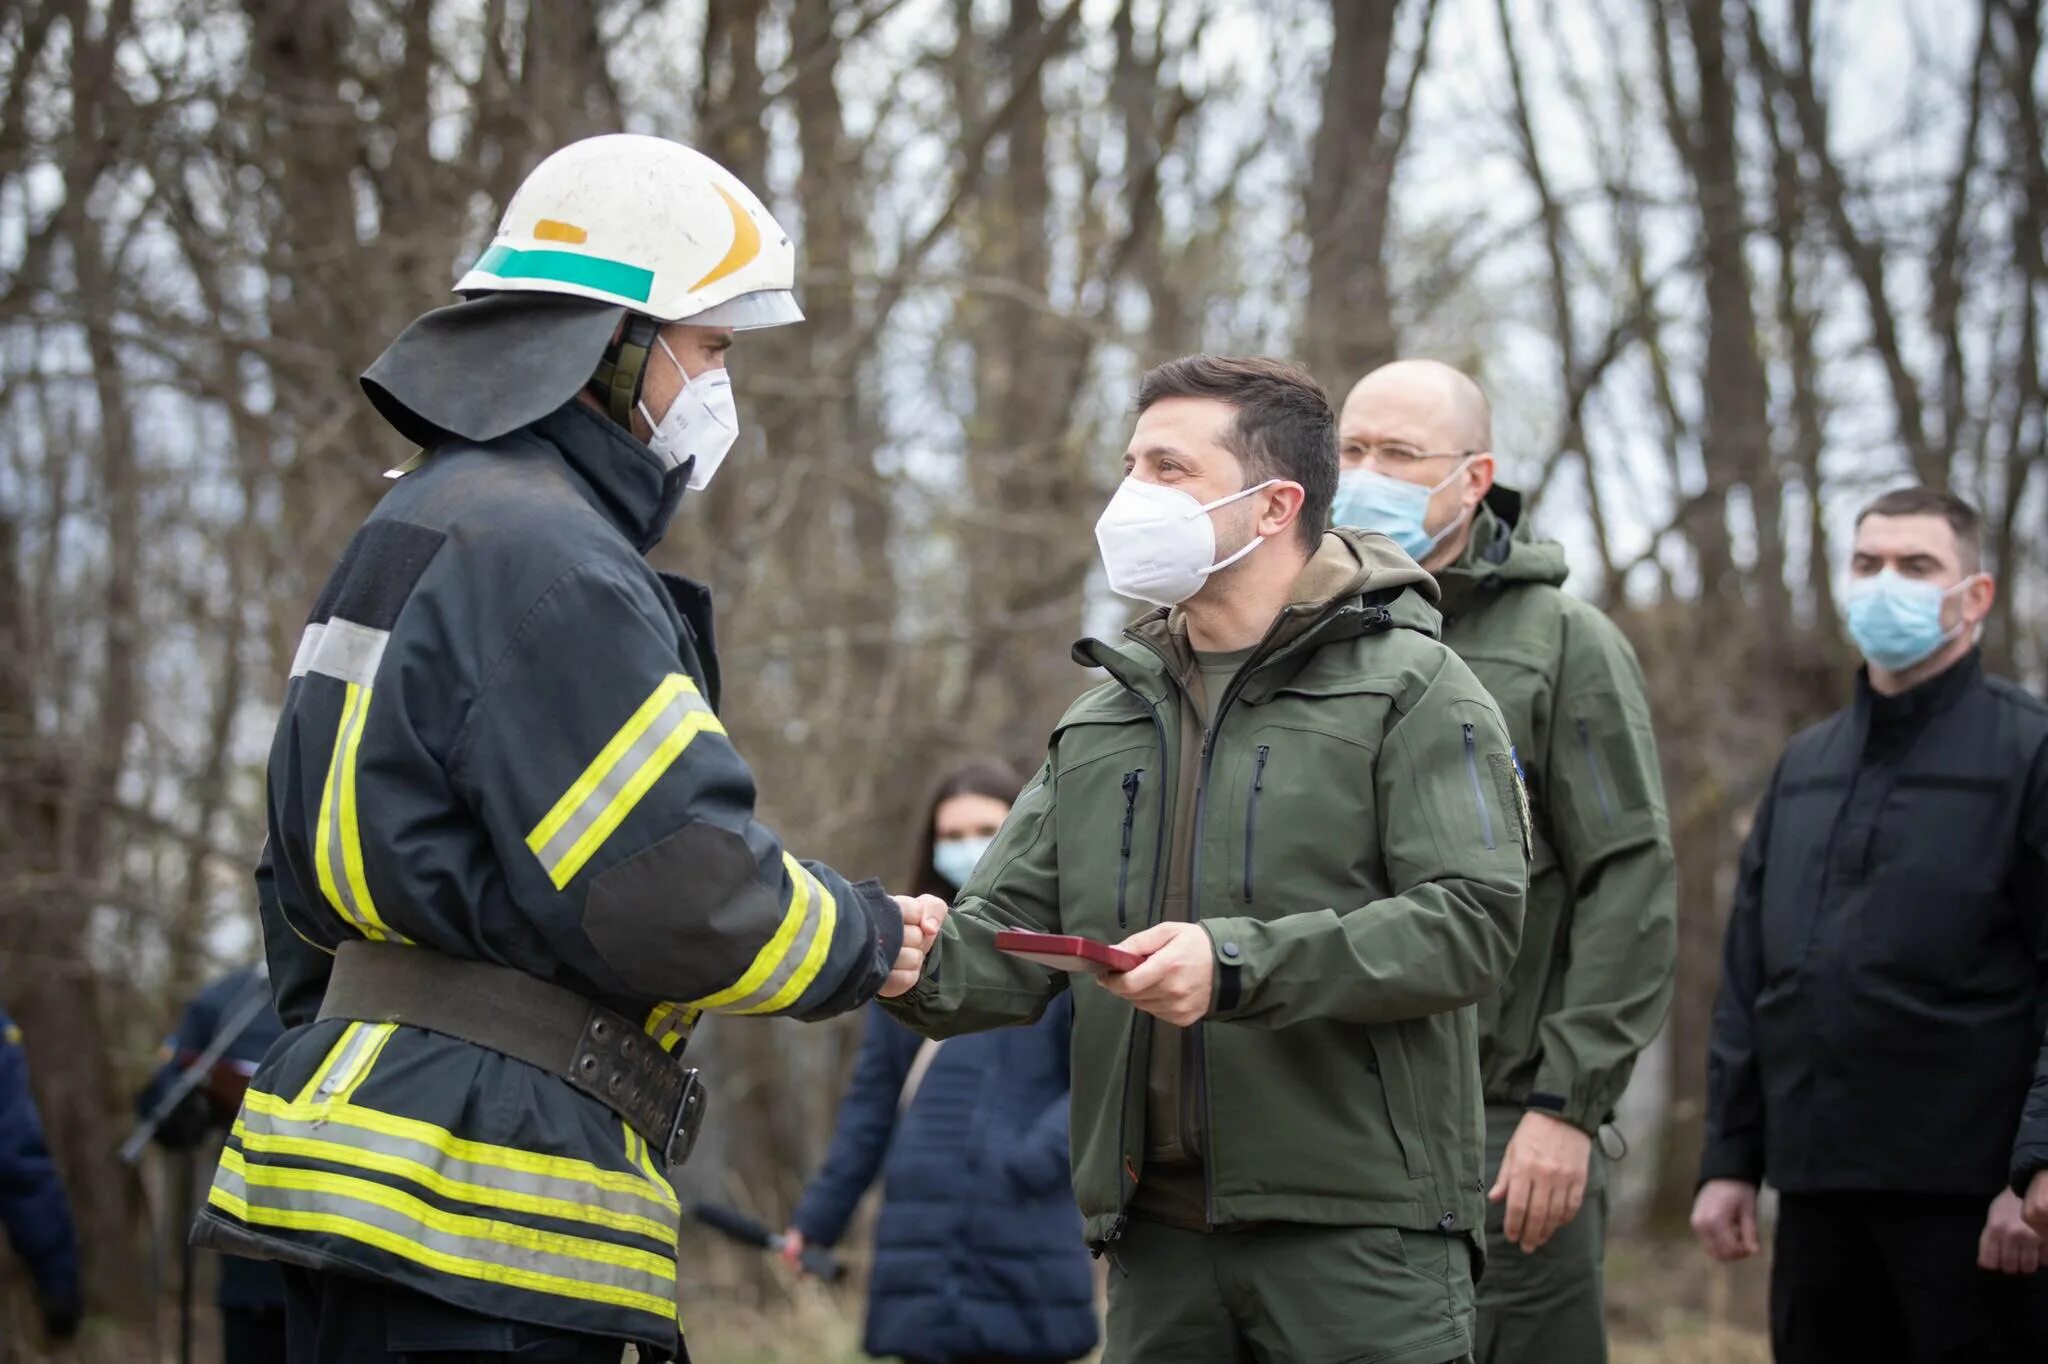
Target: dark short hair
1284 427
990 777
1920 500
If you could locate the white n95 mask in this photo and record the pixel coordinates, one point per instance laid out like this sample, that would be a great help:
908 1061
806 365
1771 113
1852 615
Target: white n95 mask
1159 545
701 424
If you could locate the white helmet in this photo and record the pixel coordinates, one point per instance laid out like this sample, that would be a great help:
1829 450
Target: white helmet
648 224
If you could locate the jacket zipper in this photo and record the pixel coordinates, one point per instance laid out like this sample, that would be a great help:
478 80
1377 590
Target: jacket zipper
1132 781
1593 766
1251 818
1478 791
1197 1051
1125 1180
1377 618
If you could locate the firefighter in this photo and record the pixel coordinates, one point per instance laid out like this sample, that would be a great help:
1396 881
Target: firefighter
512 855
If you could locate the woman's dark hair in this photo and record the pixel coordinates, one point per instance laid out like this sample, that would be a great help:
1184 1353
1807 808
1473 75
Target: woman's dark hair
977 777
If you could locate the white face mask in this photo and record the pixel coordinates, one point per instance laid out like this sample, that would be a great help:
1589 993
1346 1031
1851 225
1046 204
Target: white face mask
1159 545
700 424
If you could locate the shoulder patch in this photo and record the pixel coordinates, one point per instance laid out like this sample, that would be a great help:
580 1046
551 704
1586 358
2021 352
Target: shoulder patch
1514 794
11 1035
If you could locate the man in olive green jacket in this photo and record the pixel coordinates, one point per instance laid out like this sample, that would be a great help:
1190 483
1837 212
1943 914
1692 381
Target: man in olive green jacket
1593 980
1302 810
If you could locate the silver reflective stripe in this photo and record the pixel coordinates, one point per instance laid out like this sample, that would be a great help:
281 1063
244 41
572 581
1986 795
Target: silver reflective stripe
341 649
819 913
352 1057
403 1225
444 1173
680 708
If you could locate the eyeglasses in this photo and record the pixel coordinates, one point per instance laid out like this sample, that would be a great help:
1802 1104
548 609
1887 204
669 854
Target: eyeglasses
1395 456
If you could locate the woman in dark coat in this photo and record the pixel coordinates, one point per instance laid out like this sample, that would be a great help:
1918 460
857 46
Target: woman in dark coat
978 1251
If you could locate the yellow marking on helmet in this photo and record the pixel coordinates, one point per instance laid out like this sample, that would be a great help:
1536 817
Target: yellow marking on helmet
548 230
746 242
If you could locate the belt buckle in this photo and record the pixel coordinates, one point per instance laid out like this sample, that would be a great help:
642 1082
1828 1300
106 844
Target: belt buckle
685 1122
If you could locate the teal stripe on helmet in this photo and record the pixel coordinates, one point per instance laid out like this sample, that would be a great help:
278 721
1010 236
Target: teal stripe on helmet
567 267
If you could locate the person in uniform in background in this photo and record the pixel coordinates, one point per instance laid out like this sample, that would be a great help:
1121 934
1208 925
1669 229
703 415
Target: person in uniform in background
512 853
1593 980
250 1293
1300 808
978 1252
33 1205
1885 982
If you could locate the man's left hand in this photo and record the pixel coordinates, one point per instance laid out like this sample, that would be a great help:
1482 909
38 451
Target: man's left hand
2008 1245
2037 1203
1174 981
1542 1178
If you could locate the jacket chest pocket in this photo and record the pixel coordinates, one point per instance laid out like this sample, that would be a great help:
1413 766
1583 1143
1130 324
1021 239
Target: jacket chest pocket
1301 832
1111 788
1794 863
1934 865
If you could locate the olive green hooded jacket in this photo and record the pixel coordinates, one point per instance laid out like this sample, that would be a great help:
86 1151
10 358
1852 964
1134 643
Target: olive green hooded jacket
1592 982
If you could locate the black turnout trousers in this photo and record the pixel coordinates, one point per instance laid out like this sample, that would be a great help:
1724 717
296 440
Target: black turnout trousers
336 1319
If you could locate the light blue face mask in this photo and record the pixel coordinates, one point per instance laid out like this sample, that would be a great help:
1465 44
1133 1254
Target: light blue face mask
954 858
1895 621
1397 509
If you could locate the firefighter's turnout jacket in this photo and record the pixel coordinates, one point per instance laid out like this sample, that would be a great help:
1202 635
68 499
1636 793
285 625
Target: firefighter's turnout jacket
500 742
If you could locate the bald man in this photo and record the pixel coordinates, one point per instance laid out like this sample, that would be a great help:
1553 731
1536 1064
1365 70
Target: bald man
1593 979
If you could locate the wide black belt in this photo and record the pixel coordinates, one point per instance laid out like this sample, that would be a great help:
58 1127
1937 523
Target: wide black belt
595 1050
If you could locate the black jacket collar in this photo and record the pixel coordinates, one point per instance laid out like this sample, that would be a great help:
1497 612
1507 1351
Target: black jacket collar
1919 704
617 474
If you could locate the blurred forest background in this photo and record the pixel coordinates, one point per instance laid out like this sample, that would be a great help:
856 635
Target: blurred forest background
1728 267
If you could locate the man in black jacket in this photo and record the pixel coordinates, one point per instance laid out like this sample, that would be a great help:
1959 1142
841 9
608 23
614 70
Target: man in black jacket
1885 982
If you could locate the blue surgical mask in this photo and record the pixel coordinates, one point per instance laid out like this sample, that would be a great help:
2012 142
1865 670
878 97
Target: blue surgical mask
954 858
1895 621
1397 509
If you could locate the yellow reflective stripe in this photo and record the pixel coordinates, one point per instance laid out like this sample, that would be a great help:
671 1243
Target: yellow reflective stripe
338 840
615 811
827 915
449 1223
351 832
791 960
427 1177
669 1023
653 1169
323 840
769 957
12 1035
459 1148
599 800
378 1035
334 1224
638 1152
320 1073
551 824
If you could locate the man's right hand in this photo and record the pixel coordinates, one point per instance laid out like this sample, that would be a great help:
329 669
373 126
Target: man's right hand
922 916
793 1249
1724 1218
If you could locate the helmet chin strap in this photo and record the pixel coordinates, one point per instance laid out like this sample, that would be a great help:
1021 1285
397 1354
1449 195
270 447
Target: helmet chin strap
623 369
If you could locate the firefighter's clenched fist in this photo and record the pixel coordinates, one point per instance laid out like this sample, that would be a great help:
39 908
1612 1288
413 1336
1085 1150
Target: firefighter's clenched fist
922 915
